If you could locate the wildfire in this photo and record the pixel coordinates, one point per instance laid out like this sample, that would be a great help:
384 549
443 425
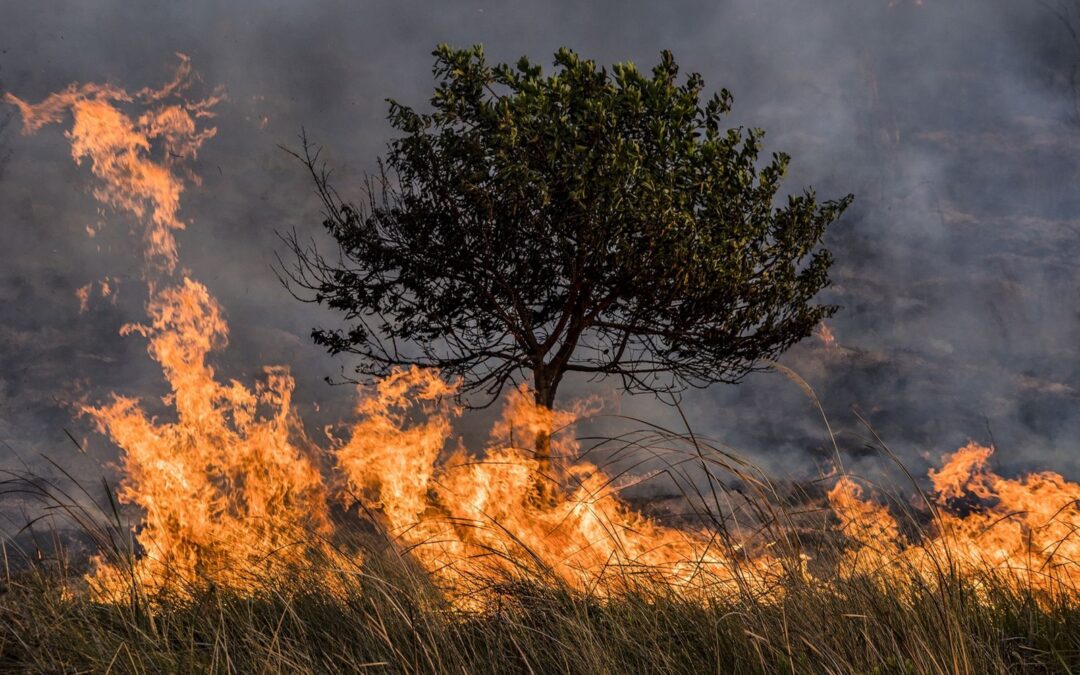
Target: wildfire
119 147
1020 530
231 493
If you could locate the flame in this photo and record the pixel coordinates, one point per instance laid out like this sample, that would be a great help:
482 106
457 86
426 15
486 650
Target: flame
120 147
230 491
84 293
469 520
227 495
1021 530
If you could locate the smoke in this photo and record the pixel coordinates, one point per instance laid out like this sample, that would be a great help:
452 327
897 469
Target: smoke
951 121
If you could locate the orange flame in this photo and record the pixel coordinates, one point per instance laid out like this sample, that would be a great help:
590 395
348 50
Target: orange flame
119 147
228 490
1023 530
465 519
227 495
230 493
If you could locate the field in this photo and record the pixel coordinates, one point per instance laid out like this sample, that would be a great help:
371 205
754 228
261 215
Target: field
392 619
365 602
237 538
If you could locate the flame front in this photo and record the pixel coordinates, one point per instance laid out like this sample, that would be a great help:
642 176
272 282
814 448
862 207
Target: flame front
230 492
470 520
1021 531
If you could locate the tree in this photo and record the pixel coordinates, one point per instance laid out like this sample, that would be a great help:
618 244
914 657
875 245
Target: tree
584 221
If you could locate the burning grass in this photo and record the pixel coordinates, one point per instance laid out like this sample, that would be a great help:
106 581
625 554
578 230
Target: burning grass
236 544
375 605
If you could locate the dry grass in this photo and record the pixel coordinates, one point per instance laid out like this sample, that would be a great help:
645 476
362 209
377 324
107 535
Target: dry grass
389 616
393 620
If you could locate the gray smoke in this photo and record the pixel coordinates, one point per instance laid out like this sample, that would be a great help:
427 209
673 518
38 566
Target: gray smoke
953 122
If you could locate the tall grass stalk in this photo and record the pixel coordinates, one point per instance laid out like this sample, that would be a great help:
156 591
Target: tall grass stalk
385 614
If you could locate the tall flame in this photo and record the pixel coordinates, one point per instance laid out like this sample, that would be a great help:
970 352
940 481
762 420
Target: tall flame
227 494
1021 530
230 492
119 147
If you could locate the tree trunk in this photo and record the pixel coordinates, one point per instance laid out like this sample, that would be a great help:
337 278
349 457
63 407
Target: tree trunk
544 396
544 386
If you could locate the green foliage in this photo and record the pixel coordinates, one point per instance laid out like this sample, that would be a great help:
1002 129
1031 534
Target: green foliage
587 220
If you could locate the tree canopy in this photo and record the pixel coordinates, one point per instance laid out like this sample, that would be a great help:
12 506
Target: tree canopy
589 220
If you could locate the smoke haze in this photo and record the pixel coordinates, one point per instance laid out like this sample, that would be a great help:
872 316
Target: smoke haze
953 122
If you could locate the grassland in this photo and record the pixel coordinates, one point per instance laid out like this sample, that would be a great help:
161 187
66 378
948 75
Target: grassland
387 616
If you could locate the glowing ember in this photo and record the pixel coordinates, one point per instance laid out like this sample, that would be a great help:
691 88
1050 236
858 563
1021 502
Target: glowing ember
825 334
83 294
86 292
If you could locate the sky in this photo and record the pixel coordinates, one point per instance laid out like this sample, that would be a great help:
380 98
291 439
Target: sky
954 122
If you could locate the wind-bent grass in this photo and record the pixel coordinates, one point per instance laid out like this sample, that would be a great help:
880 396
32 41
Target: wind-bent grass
392 619
387 615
